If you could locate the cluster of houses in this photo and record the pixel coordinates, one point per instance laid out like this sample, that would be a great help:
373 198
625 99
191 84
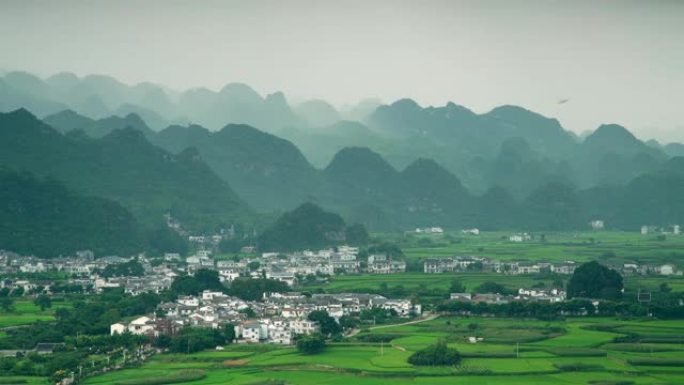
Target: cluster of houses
277 319
429 230
85 270
287 267
476 263
553 295
674 230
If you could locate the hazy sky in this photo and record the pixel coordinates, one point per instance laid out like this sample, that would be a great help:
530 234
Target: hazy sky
615 61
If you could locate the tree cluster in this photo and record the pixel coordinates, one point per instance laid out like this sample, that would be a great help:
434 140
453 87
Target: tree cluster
438 354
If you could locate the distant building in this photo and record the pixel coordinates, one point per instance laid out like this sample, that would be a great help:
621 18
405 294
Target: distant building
430 230
520 237
597 224
473 231
438 265
666 269
461 297
139 326
384 264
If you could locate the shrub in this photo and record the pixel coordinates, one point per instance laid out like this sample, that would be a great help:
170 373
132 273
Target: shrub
311 344
435 355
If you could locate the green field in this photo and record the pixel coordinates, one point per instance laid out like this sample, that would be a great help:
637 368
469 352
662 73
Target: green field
26 312
412 281
512 351
579 247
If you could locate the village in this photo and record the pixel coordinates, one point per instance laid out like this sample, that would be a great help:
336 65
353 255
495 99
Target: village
278 319
84 272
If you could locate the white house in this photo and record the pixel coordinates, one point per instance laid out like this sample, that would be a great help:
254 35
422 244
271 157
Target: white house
666 269
303 326
140 326
254 332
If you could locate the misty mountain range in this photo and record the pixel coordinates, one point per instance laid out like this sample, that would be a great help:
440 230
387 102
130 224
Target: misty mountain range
198 156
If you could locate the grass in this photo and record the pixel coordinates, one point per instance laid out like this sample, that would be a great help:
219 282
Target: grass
578 354
577 246
25 312
367 282
182 376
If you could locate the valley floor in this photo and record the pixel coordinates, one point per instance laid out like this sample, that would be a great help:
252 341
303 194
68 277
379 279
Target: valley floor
513 351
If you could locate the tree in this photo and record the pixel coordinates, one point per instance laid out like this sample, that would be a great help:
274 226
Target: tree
43 301
204 279
348 322
457 286
7 304
438 354
593 280
250 289
327 323
229 332
209 279
185 285
128 269
311 344
491 287
191 340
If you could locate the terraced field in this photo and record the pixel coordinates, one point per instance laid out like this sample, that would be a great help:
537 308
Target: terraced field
577 351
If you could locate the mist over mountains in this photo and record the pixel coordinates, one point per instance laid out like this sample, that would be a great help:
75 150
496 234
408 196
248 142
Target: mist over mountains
212 159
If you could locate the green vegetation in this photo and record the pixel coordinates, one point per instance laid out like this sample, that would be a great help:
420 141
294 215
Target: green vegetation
435 355
311 344
132 268
327 323
25 312
253 289
309 226
204 279
42 217
593 280
512 351
148 181
182 376
191 340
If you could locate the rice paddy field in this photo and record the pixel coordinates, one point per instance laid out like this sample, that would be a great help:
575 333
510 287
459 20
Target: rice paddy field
609 246
412 281
511 351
